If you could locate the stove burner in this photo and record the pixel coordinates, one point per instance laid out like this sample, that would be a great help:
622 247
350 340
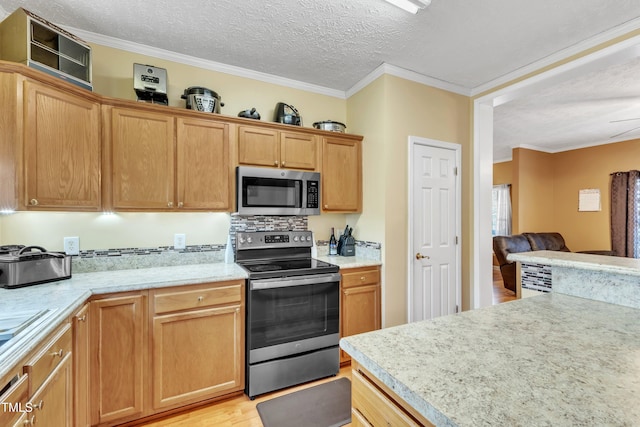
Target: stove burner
264 267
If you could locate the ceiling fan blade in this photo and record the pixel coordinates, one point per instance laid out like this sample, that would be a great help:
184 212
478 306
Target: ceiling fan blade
624 120
626 131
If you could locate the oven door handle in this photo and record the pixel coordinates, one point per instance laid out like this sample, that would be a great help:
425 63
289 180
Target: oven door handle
283 282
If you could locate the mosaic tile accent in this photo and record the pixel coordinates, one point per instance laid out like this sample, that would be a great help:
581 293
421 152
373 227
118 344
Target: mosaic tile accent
536 277
90 261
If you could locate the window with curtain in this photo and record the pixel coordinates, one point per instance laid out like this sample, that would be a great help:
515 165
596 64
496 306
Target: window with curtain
501 210
625 213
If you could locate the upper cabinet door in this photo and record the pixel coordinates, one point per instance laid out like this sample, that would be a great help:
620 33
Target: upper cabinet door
142 159
203 165
298 151
62 149
258 147
341 175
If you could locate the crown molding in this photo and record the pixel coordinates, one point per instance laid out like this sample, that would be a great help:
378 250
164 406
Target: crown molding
202 63
403 73
563 54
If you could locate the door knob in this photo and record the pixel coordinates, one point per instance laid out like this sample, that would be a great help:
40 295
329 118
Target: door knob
420 256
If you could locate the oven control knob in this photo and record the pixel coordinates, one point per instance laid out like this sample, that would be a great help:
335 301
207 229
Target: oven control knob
249 240
295 238
242 240
308 238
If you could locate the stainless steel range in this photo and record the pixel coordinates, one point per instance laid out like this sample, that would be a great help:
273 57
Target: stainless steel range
293 308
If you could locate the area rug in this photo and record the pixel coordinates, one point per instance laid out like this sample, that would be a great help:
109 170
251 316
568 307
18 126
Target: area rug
324 405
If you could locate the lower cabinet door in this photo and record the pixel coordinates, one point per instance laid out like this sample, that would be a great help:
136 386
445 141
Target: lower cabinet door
53 403
197 355
119 345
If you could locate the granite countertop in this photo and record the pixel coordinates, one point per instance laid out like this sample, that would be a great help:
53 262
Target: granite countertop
64 297
548 360
600 263
349 261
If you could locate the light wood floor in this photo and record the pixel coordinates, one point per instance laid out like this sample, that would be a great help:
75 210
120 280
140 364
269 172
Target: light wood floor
237 411
240 411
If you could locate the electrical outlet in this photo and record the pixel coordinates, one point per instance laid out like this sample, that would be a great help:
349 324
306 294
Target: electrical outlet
179 241
72 245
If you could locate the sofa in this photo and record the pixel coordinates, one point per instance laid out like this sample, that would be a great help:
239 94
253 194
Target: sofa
526 242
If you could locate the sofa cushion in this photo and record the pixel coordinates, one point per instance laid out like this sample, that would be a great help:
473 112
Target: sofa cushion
546 242
505 245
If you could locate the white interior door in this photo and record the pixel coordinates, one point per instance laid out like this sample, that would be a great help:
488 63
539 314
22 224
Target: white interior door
434 279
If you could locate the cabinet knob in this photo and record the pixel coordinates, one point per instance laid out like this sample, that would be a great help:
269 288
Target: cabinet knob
276 163
39 406
282 164
180 204
362 278
30 421
200 298
58 353
170 204
82 318
33 202
326 206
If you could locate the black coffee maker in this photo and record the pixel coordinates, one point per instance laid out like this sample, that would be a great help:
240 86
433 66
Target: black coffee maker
287 114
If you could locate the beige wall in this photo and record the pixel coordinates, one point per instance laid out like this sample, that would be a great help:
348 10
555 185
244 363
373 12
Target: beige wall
386 112
113 76
389 111
532 187
502 173
546 186
589 168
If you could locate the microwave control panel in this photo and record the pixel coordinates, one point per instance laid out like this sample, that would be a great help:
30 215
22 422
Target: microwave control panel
312 194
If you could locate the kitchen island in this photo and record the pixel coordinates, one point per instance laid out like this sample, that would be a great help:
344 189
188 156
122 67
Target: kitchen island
548 360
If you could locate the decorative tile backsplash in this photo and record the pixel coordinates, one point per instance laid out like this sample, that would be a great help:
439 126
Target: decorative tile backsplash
132 258
536 277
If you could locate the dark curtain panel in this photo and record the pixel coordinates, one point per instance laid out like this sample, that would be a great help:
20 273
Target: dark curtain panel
624 213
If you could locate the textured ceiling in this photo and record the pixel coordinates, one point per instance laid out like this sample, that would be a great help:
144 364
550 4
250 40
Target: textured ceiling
337 43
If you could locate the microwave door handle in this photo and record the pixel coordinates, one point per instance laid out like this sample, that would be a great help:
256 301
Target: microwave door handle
298 281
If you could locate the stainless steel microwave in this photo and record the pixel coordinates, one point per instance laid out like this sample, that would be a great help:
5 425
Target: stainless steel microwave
267 191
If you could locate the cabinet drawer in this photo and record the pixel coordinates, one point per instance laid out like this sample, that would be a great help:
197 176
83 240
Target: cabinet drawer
374 406
358 277
190 298
13 401
48 358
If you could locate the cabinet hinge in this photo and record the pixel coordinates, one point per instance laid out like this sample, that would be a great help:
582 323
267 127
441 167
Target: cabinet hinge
456 240
455 170
457 308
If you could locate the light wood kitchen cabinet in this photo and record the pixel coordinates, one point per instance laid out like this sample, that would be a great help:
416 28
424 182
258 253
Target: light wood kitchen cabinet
52 405
204 176
198 343
119 351
162 162
51 382
142 153
374 404
50 148
14 398
360 303
278 149
81 363
341 174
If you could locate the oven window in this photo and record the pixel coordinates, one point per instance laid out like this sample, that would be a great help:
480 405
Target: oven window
293 313
271 192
